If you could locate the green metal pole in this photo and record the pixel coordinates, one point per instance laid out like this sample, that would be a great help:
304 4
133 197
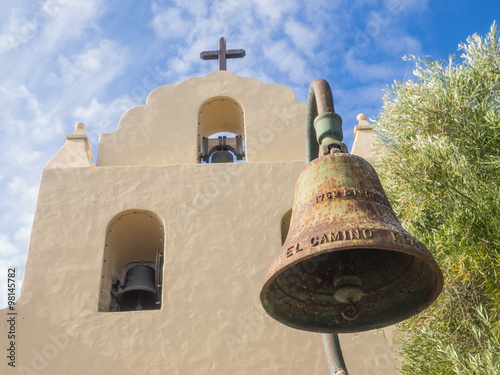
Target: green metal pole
333 353
324 132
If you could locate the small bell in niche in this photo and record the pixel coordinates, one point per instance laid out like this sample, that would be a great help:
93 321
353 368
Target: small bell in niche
222 156
222 149
138 288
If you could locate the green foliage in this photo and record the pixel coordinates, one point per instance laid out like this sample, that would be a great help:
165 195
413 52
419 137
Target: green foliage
440 165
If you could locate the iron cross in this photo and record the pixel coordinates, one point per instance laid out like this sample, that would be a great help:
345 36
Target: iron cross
222 54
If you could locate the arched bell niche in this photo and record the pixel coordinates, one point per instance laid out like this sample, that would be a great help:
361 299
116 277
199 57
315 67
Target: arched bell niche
132 270
221 131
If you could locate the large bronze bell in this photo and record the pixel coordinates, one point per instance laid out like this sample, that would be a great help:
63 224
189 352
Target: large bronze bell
347 264
139 292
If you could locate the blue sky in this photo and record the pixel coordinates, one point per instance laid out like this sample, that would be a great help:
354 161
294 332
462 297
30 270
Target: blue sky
65 61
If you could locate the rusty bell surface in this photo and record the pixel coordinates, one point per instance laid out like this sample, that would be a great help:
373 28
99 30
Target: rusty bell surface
347 264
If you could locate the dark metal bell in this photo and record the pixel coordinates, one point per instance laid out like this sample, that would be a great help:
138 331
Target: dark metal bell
347 264
222 156
139 292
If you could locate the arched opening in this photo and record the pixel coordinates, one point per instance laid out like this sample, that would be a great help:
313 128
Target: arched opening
221 131
132 271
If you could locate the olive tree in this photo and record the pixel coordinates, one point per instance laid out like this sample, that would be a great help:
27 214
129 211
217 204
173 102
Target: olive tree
439 161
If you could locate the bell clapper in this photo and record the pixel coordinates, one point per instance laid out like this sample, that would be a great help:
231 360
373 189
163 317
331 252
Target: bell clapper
347 288
350 311
139 306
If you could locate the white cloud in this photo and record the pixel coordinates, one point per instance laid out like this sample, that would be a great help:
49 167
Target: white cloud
366 71
227 8
196 8
20 189
178 65
7 248
100 64
102 117
25 116
54 21
170 22
22 235
69 20
274 11
16 222
304 37
22 155
287 60
21 27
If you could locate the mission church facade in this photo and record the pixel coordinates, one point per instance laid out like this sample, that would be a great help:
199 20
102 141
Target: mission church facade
151 261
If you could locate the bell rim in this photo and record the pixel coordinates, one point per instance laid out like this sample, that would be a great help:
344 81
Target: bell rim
430 262
134 288
270 277
425 255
